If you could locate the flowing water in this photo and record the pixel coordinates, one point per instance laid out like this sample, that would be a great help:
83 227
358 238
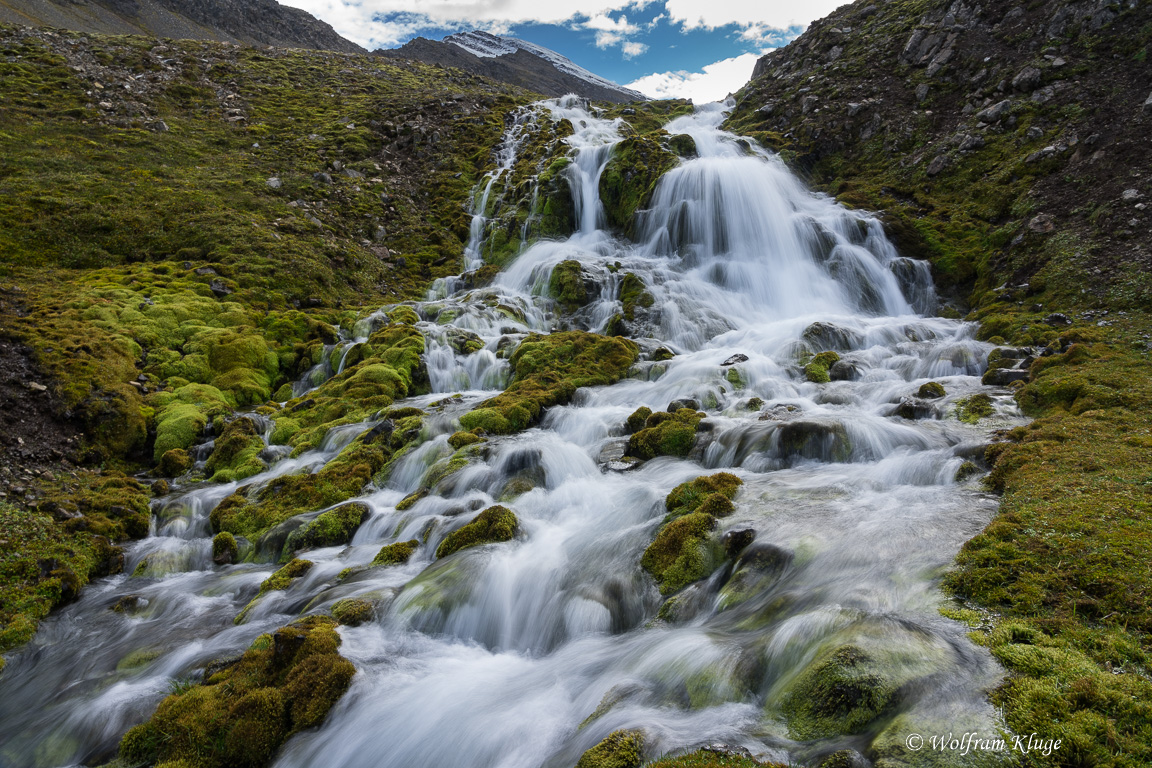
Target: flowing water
497 656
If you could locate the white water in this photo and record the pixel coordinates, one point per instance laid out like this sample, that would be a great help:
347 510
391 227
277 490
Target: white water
495 656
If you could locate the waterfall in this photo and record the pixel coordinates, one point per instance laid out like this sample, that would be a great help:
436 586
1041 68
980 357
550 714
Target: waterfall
527 653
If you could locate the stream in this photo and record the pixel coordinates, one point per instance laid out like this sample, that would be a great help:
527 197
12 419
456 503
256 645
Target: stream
498 656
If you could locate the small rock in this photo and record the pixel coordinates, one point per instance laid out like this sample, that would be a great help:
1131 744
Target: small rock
735 541
922 92
686 402
938 164
1130 194
219 288
971 143
995 112
353 174
1057 318
1148 105
1002 377
379 234
274 182
321 177
37 387
736 358
205 271
1027 80
105 105
853 109
1043 223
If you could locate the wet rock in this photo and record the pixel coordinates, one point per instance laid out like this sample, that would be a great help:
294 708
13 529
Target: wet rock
845 758
128 604
842 370
688 403
765 558
931 390
622 749
824 440
1002 377
221 664
828 336
914 408
205 271
225 550
613 451
736 541
662 353
737 358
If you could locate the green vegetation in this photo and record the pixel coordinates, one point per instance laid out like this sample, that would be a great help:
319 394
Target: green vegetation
494 524
629 179
709 759
225 550
698 494
567 285
974 407
336 526
395 554
634 294
284 683
353 612
681 554
621 749
664 434
548 371
236 453
816 370
279 580
931 390
839 694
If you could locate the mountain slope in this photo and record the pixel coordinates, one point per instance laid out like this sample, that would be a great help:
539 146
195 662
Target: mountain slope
252 22
1008 144
516 62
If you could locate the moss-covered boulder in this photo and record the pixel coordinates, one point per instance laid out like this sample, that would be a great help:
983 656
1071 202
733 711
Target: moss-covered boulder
395 554
547 371
931 390
494 524
637 420
665 434
570 286
839 694
630 178
285 682
279 580
816 370
225 550
634 295
353 612
460 440
974 407
821 439
182 415
236 453
336 526
696 494
681 554
621 749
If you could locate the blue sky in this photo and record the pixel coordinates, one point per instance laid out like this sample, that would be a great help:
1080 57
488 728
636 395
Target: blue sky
699 49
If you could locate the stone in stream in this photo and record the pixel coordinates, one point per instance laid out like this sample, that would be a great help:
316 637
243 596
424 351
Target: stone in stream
737 358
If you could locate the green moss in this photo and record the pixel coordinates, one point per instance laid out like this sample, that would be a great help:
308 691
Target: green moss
680 553
225 551
353 612
336 526
174 462
633 294
567 285
182 415
974 407
459 440
637 420
621 749
690 496
837 695
236 453
709 759
817 369
630 178
395 554
665 434
931 390
284 683
547 371
279 580
494 524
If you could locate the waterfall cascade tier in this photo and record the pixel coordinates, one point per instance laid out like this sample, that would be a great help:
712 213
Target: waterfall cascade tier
527 653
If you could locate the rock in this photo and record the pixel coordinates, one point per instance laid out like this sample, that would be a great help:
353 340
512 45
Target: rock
1043 223
826 336
1057 318
1130 194
1148 105
922 92
322 178
938 164
737 358
842 370
274 182
971 143
913 408
994 113
613 451
854 108
1027 80
37 387
220 288
688 403
735 542
845 758
205 271
1002 377
379 234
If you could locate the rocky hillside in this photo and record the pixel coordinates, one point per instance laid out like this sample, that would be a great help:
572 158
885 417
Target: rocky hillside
1008 143
252 22
515 62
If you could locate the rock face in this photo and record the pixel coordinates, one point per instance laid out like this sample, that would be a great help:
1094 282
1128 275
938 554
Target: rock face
516 62
253 22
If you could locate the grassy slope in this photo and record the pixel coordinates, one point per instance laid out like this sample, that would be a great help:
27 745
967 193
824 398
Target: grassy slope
1062 572
146 250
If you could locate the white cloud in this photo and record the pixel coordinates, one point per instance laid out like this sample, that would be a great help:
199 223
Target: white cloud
714 83
633 49
779 14
605 23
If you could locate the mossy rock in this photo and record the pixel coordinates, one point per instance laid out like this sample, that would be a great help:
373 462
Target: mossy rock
336 526
816 370
680 553
839 694
569 286
688 497
630 178
974 407
284 683
236 453
547 371
931 390
633 295
182 415
813 439
665 434
279 580
225 550
460 440
637 420
353 612
621 749
395 554
175 462
494 524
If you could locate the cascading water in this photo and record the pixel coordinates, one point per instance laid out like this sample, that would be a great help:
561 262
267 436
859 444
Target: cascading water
525 654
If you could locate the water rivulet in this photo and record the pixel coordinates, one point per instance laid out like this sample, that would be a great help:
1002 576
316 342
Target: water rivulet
802 621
